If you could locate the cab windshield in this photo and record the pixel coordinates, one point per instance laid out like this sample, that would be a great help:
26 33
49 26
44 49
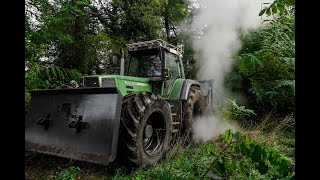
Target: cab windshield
145 63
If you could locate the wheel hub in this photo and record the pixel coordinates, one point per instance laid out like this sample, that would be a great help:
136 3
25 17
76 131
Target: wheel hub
148 131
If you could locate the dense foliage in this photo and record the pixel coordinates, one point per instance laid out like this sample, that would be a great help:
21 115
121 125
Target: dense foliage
47 77
85 34
265 66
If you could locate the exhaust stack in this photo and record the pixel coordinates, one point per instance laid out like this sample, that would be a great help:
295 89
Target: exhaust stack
122 63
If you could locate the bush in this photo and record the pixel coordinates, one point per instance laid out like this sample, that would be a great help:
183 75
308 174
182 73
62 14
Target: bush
235 112
266 160
266 63
47 77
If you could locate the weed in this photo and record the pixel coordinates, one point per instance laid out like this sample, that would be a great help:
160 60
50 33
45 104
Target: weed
67 174
235 112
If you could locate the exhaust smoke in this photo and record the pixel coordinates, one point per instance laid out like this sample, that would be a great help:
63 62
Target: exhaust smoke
207 128
220 22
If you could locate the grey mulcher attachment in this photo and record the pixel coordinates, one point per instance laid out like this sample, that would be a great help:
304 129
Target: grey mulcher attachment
80 124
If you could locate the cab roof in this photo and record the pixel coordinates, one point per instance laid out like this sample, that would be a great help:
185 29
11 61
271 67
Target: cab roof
153 44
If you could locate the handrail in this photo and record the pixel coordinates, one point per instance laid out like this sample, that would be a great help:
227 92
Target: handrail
156 41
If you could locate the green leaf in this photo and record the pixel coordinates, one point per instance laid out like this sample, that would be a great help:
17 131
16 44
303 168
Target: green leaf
289 2
264 154
256 155
246 138
251 148
236 136
227 135
243 149
280 7
262 12
221 167
283 168
268 11
237 149
262 168
274 8
242 166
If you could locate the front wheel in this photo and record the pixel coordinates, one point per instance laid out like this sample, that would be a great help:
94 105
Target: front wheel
146 128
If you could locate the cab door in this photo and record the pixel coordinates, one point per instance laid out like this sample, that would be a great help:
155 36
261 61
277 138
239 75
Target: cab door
173 69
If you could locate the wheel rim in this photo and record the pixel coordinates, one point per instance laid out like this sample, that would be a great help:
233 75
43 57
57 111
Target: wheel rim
154 133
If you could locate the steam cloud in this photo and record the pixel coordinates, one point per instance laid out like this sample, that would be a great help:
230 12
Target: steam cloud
207 128
221 20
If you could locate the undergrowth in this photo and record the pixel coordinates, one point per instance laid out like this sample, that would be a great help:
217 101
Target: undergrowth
249 154
67 174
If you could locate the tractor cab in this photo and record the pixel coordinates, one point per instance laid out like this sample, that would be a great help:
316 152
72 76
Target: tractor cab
157 60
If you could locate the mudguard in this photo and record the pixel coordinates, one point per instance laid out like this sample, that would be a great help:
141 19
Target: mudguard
186 88
206 87
80 124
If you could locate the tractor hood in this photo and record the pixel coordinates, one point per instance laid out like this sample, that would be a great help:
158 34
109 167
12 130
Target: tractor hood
125 84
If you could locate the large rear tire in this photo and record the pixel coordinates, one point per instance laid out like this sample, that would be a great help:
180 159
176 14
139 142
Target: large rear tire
194 107
146 128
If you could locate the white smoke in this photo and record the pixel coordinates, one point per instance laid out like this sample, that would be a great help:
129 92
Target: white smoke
220 21
207 128
219 42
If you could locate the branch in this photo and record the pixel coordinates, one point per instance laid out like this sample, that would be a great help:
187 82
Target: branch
174 31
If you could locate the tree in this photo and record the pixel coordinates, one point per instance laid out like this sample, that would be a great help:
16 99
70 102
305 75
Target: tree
67 33
173 12
84 34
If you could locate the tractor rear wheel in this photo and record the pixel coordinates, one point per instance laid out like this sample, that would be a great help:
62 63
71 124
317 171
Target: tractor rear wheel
194 107
146 128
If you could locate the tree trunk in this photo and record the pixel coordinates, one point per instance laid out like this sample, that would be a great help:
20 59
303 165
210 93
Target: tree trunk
167 26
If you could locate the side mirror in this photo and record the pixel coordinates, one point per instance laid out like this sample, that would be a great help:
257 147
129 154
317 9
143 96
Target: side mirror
166 74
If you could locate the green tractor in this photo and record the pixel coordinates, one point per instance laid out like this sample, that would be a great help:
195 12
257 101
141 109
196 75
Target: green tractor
137 115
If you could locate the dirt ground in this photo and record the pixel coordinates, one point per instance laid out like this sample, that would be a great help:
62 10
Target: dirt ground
41 166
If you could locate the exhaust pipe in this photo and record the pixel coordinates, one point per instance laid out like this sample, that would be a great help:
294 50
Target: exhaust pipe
122 63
